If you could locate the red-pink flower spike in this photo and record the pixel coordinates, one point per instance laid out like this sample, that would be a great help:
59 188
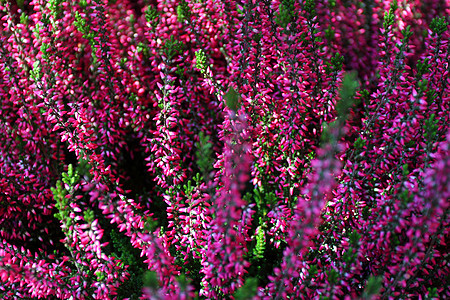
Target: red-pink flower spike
223 260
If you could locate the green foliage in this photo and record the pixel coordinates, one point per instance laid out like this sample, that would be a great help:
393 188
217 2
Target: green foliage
172 47
347 93
200 57
248 290
132 20
188 188
432 293
365 94
100 275
183 11
55 7
286 13
367 211
336 63
258 251
126 252
204 154
389 16
232 99
60 192
80 23
264 200
88 215
310 8
150 279
333 276
438 25
152 15
24 19
405 170
183 282
150 224
83 168
83 27
422 67
189 265
407 33
430 128
257 37
71 177
83 3
124 60
264 256
180 72
359 143
354 238
35 73
145 49
346 101
395 241
329 34
44 48
373 287
122 249
327 132
59 195
349 255
423 85
405 196
431 96
36 31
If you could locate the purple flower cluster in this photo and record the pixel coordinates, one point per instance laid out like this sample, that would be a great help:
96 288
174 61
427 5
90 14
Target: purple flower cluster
180 149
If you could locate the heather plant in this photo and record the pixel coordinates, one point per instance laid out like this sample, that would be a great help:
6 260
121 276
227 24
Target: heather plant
167 149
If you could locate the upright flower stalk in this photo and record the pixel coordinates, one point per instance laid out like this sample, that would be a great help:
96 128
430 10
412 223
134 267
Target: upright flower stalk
223 260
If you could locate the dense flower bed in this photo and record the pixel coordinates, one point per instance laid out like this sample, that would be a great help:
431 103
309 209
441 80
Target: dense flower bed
224 149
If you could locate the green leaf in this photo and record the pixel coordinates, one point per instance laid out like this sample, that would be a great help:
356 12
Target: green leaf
204 154
182 281
373 286
438 25
150 280
248 290
332 276
89 215
430 127
354 238
232 99
347 93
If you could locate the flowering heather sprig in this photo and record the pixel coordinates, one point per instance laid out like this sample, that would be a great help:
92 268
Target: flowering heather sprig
223 259
296 272
83 236
23 271
360 192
